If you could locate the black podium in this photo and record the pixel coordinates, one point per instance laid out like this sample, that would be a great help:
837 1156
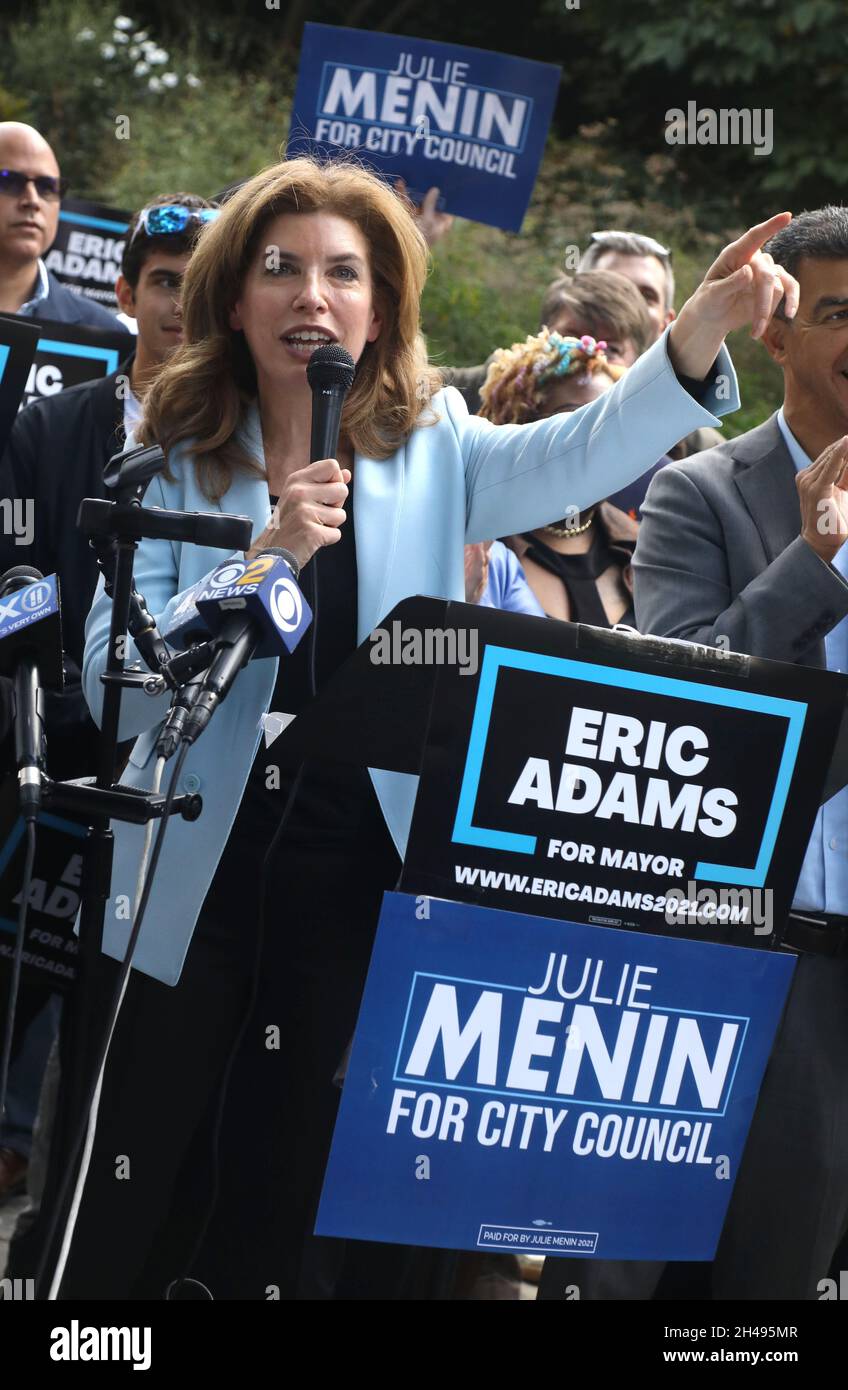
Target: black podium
558 754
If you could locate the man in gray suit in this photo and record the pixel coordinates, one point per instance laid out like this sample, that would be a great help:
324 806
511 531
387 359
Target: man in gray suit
742 547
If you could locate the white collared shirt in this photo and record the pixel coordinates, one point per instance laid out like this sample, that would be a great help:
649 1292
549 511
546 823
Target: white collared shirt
41 289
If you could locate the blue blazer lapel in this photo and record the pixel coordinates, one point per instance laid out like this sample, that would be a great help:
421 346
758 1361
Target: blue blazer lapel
378 496
248 494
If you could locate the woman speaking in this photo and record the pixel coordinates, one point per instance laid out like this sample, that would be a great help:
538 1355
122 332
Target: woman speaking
265 928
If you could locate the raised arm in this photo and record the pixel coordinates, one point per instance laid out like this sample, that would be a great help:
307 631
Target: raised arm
520 477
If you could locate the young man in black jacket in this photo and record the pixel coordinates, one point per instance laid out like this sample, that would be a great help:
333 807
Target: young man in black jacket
55 457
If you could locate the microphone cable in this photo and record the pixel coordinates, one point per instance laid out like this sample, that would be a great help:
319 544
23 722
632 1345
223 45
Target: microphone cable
83 1138
17 961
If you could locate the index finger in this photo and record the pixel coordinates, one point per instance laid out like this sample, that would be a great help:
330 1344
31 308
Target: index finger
739 252
324 470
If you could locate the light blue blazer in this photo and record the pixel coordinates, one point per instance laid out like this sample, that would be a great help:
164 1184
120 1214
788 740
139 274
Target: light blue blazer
461 479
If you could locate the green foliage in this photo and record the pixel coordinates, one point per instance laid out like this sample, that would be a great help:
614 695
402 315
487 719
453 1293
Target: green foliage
129 117
224 113
744 54
224 131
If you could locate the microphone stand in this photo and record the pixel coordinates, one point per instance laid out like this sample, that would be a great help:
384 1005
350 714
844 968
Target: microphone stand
97 799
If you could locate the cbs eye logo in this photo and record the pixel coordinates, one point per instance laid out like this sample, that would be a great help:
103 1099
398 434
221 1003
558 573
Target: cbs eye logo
286 605
228 574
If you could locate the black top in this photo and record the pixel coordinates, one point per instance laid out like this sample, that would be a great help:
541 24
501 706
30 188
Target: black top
336 810
579 574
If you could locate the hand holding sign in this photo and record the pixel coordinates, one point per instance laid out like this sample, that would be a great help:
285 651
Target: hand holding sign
743 286
432 224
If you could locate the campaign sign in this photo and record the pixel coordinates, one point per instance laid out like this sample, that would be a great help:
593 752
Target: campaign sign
469 121
86 254
622 781
547 1087
68 354
50 947
18 340
263 587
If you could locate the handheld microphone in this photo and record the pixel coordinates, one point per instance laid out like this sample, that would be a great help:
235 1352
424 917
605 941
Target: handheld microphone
329 371
257 609
31 652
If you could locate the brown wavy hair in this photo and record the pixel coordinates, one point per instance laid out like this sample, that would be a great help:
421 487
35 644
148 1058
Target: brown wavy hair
201 393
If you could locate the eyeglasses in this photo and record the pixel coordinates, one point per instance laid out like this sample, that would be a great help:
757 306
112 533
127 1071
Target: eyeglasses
13 183
167 219
647 245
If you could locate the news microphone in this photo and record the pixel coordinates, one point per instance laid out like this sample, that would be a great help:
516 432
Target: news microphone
257 609
330 372
31 653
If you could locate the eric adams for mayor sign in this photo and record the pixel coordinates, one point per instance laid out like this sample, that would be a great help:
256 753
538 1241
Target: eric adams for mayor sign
669 791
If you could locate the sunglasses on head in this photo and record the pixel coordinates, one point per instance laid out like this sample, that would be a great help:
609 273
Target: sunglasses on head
14 183
167 219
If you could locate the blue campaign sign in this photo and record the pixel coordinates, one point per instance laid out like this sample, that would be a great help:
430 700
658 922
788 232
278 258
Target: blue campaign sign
469 121
519 1083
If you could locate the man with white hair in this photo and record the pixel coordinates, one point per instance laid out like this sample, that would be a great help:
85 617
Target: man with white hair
646 263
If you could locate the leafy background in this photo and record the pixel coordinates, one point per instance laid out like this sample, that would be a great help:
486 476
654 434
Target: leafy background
207 88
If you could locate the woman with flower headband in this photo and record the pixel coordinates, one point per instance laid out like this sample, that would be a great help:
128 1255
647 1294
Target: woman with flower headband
578 567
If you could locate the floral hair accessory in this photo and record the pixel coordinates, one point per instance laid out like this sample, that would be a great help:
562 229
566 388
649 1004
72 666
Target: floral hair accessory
517 376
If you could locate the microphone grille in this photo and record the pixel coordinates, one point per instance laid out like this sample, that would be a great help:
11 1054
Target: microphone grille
18 578
330 365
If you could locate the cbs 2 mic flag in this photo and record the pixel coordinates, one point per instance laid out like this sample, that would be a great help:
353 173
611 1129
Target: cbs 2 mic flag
263 588
469 121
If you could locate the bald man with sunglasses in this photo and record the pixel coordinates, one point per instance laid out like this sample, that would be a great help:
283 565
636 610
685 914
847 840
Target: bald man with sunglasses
31 191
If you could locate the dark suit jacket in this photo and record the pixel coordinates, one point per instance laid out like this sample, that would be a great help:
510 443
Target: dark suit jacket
63 306
55 456
720 559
